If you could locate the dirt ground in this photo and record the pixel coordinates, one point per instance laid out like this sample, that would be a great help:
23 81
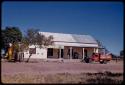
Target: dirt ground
36 67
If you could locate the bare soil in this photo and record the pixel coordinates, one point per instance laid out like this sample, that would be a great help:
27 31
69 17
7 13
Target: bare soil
36 71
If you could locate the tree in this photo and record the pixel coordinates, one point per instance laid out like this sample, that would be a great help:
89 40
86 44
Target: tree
14 34
10 35
2 37
49 40
33 37
102 47
40 39
21 43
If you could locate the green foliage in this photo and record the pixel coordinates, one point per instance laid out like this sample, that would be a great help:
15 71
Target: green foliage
49 41
11 35
24 44
40 39
33 37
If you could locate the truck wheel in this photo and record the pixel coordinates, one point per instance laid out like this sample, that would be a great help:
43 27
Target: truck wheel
105 62
86 60
101 61
90 60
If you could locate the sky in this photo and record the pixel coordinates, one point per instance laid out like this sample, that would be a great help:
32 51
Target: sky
101 20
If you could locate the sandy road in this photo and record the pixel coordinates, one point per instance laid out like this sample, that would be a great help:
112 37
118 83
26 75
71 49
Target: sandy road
43 67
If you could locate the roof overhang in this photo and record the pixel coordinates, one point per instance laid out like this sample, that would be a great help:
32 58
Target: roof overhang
75 44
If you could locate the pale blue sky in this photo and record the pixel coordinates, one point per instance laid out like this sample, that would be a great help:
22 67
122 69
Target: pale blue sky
102 20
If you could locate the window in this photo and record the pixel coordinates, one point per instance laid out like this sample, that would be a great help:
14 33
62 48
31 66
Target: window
32 50
50 52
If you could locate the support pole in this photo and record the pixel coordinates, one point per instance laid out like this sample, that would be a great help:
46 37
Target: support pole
83 53
97 51
60 53
70 52
94 50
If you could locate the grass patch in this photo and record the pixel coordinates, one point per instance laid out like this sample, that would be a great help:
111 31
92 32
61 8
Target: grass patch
105 78
82 78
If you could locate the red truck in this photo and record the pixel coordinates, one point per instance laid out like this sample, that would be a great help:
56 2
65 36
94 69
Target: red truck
97 57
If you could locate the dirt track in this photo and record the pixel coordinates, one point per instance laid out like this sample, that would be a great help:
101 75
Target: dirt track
42 67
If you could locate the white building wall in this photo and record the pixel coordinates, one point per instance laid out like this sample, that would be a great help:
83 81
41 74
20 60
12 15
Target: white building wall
40 54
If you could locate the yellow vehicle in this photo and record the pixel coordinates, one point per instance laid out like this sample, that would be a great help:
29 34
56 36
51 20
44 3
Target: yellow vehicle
10 52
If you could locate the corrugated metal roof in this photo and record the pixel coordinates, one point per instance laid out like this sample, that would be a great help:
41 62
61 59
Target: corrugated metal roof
72 38
84 38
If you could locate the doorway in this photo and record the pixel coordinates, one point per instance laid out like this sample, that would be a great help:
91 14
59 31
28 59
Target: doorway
85 53
62 53
50 53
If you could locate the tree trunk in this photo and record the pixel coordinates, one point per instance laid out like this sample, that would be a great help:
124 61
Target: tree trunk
29 58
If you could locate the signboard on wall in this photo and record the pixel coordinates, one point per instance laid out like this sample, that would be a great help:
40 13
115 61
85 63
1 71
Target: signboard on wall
32 51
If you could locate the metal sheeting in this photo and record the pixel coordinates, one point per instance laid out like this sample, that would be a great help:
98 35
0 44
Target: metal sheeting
59 36
83 38
72 39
